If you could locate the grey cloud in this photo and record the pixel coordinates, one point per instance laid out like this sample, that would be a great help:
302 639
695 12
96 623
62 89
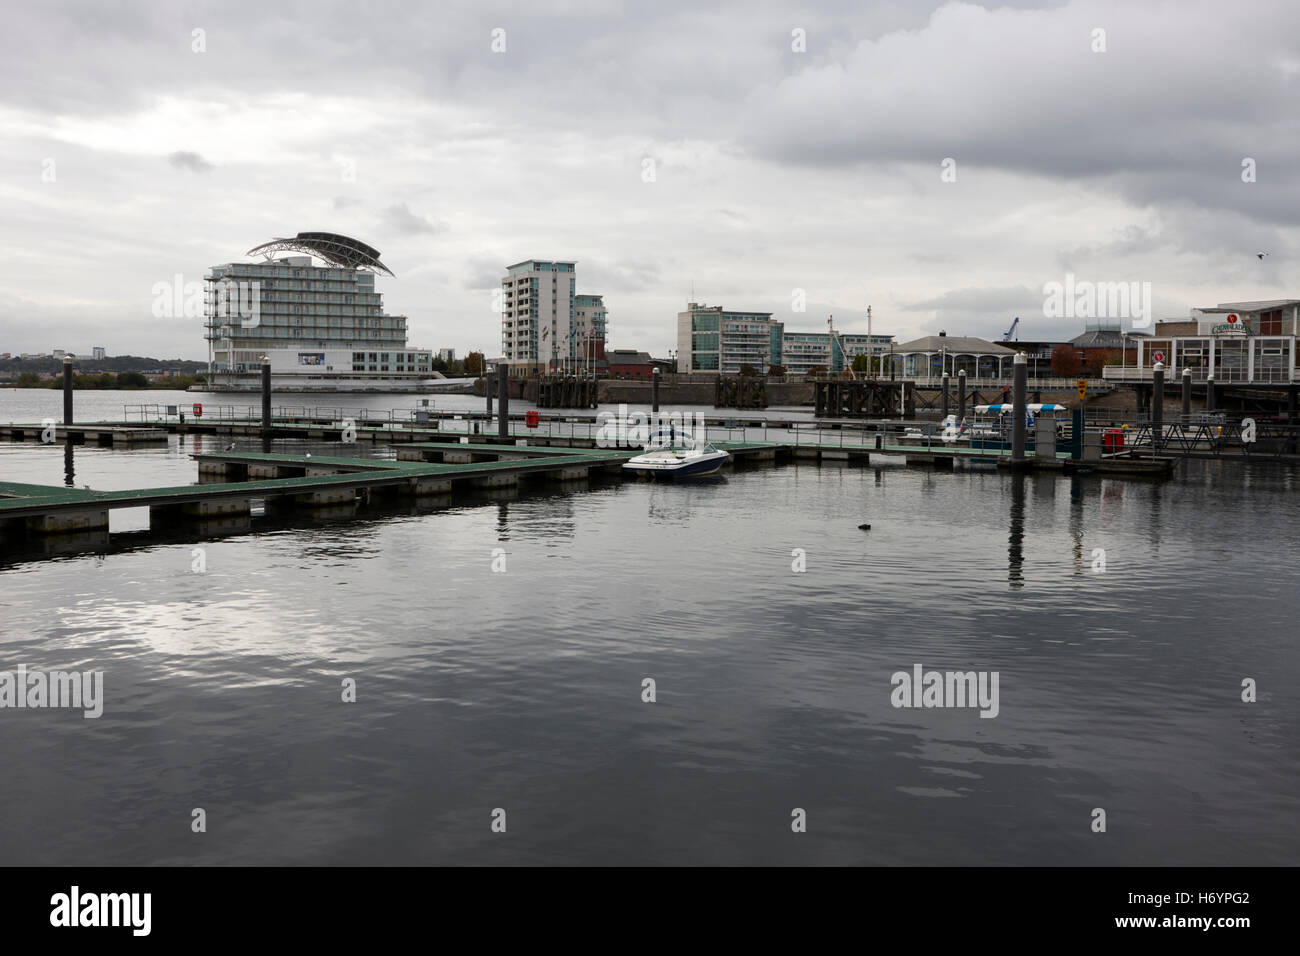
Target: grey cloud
986 300
185 159
778 169
398 218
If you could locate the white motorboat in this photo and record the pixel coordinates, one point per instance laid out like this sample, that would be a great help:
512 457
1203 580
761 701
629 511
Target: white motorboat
947 431
670 462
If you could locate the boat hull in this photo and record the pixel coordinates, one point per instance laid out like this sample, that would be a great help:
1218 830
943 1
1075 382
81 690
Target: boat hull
690 468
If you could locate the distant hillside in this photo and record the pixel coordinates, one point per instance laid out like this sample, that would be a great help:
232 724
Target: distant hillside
12 368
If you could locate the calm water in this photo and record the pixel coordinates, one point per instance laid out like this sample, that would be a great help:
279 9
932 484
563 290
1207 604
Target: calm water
522 690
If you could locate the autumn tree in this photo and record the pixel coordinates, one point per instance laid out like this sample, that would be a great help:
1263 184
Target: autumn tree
1066 362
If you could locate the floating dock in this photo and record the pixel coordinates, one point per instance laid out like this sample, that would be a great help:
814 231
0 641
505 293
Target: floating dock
91 434
231 481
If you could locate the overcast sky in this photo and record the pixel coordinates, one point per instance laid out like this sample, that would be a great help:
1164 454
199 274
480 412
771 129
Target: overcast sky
773 169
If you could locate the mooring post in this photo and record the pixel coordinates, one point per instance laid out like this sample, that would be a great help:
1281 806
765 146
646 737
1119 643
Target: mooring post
654 392
1019 384
67 390
503 401
1187 394
488 383
961 395
266 396
943 407
1291 398
1157 405
1209 393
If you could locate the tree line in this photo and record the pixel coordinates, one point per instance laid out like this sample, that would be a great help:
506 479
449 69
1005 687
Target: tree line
107 380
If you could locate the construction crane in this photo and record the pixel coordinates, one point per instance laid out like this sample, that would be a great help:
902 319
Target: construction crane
1006 336
830 353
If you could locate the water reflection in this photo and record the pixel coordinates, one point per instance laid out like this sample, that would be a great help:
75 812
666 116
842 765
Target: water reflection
1016 540
1156 521
69 471
1076 521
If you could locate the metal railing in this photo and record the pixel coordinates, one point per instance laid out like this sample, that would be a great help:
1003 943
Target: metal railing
1206 435
1223 374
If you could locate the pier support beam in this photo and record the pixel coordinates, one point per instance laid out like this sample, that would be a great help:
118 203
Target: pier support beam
503 402
428 487
64 522
325 499
1019 382
67 390
568 474
223 508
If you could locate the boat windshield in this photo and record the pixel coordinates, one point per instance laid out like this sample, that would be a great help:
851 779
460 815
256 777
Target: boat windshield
666 441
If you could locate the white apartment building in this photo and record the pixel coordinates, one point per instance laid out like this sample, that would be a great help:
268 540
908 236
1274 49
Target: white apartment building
537 315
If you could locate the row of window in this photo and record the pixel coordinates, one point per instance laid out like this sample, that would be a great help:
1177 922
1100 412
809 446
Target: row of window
361 367
255 270
390 356
296 288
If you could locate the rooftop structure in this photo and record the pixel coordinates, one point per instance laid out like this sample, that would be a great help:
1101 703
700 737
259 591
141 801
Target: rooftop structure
330 247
